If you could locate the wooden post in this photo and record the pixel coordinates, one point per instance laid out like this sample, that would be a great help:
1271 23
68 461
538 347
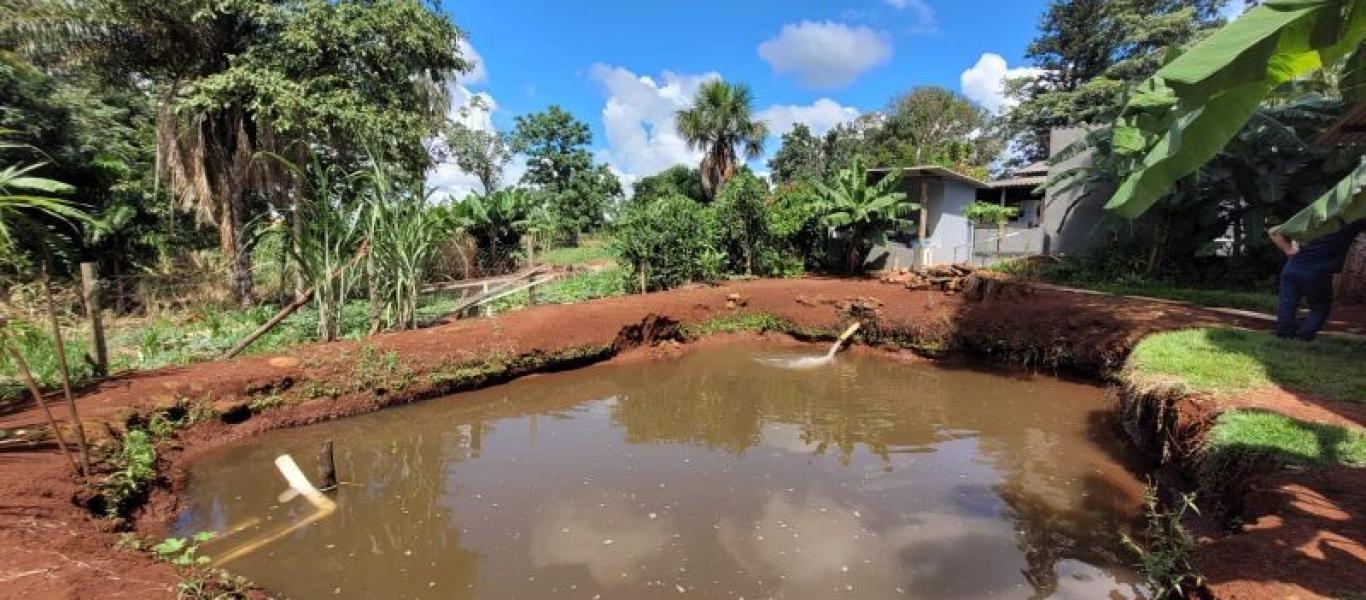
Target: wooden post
66 374
327 468
90 287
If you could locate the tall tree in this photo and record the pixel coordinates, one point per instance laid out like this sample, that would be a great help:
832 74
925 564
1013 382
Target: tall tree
239 77
932 125
1087 53
678 180
801 157
721 120
478 152
556 145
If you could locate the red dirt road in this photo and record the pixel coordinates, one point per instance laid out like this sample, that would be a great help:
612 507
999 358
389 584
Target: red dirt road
55 549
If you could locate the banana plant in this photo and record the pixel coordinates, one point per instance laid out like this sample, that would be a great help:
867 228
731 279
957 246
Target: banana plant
863 212
1190 109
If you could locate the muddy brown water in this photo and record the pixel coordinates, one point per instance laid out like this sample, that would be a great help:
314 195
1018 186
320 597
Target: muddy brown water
708 476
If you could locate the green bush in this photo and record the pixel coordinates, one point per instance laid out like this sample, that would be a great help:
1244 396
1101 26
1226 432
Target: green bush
800 240
742 223
662 244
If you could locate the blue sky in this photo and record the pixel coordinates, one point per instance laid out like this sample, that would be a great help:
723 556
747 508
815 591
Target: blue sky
624 66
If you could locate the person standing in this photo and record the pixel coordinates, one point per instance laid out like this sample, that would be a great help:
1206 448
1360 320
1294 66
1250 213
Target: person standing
1308 275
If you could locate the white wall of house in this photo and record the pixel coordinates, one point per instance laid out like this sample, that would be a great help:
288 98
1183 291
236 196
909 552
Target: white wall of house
950 234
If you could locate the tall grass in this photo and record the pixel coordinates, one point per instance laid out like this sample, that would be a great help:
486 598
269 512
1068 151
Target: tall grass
404 234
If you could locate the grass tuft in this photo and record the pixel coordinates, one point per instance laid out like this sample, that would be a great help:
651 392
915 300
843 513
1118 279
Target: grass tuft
1284 439
1230 361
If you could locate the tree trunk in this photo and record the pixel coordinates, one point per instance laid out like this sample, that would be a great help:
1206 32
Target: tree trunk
232 240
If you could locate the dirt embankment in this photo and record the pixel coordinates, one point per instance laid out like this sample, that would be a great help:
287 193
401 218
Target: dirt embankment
56 549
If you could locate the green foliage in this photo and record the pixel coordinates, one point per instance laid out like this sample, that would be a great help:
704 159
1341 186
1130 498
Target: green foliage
588 251
721 124
741 218
496 221
556 145
1232 361
198 581
1184 115
1241 434
662 243
1165 550
861 213
476 151
38 350
678 180
799 235
561 168
569 290
990 213
1087 53
801 157
135 469
933 125
403 232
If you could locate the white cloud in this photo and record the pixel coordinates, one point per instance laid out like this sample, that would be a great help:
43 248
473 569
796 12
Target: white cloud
985 82
478 73
927 20
639 120
474 110
825 55
821 116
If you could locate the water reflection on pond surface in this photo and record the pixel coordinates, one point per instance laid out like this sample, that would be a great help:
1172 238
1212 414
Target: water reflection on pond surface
711 475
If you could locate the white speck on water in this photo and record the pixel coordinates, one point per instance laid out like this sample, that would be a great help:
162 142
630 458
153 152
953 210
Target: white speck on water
607 542
681 589
653 516
407 552
844 569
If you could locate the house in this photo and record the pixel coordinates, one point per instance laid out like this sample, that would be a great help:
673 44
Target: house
943 234
1049 222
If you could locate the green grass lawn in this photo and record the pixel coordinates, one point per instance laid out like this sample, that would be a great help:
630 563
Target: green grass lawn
589 250
1286 439
1229 361
575 288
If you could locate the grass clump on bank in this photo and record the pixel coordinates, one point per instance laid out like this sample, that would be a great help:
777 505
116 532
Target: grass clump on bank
1230 361
1286 440
737 323
570 290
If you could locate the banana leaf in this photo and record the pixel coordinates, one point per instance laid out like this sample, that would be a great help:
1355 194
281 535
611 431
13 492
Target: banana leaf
1182 117
1344 203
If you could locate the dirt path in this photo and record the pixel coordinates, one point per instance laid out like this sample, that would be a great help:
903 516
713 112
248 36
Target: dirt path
54 549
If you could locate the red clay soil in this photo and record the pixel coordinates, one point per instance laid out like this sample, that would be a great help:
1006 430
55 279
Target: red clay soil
56 549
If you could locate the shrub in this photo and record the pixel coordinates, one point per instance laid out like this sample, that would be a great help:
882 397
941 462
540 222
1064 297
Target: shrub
799 238
663 243
742 222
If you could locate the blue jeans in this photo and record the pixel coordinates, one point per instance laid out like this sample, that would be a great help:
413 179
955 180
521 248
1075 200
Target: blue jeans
1317 289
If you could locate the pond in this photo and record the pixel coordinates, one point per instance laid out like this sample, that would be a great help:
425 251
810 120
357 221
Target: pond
711 475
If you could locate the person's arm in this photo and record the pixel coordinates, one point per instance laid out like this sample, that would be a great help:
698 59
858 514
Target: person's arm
1288 246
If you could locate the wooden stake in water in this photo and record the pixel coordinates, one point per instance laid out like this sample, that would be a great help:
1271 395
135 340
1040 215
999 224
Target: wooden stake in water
327 468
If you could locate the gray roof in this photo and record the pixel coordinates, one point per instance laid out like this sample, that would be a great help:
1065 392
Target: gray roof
934 171
1017 182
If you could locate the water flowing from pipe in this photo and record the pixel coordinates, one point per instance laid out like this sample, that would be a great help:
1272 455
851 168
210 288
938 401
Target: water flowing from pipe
811 362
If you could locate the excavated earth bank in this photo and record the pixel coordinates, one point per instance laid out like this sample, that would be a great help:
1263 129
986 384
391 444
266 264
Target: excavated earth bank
55 548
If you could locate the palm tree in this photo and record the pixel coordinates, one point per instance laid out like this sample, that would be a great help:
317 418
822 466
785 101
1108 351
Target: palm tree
720 120
863 213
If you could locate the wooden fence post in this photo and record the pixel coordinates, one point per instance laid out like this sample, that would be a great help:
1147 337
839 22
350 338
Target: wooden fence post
91 287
